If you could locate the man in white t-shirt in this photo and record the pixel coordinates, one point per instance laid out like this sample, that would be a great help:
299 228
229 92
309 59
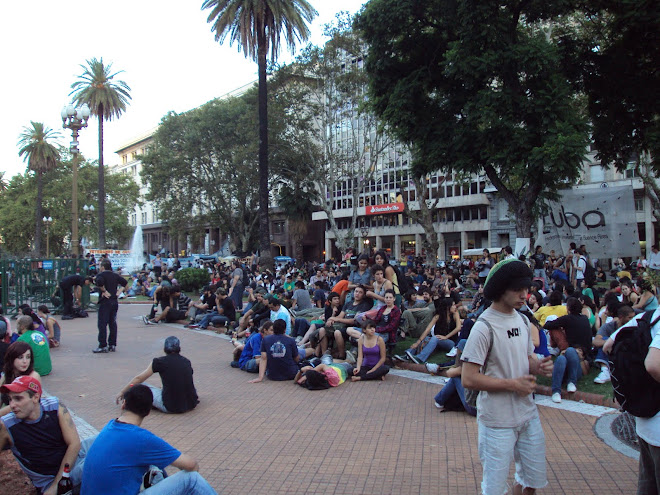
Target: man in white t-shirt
507 417
654 258
648 429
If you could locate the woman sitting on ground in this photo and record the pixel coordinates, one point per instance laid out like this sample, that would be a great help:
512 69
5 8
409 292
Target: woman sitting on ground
441 333
19 361
628 296
52 326
370 364
381 284
387 320
647 300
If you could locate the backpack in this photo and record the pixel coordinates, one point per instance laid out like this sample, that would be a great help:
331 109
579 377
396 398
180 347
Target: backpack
404 283
589 271
246 277
634 388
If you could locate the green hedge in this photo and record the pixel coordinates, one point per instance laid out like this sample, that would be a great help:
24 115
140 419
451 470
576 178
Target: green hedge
192 279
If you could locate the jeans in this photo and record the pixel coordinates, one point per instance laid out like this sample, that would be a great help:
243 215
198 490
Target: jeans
107 317
431 343
300 327
158 398
566 366
237 296
207 319
524 444
188 482
649 469
76 471
251 366
541 273
221 319
454 385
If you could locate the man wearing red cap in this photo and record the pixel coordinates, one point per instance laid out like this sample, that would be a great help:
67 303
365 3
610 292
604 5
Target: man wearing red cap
41 435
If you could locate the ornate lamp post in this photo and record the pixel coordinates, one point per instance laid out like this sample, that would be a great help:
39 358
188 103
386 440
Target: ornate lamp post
47 222
89 212
75 118
364 231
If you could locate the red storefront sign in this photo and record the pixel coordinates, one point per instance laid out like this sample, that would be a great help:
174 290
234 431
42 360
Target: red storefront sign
384 209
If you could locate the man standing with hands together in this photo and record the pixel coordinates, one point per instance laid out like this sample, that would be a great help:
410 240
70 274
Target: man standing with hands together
507 417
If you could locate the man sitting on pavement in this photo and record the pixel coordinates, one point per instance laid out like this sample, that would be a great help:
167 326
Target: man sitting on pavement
123 452
337 325
279 312
41 435
415 319
247 356
205 304
224 314
254 316
178 394
279 355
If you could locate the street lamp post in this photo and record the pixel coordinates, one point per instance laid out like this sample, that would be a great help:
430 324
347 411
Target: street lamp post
364 231
89 212
75 118
47 221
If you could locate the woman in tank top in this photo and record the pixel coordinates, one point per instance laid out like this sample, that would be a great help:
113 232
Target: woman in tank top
370 364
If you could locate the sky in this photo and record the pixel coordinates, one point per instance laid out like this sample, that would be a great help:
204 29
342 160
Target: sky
166 50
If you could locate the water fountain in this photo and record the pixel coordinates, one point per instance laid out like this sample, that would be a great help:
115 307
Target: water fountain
136 259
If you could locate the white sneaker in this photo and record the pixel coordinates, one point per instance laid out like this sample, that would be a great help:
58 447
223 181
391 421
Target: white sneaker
438 405
453 352
432 368
556 397
603 376
570 388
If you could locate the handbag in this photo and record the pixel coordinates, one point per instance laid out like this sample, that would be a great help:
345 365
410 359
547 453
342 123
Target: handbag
471 394
558 339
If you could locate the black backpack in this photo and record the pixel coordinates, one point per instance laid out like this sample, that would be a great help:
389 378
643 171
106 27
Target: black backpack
404 283
589 271
634 388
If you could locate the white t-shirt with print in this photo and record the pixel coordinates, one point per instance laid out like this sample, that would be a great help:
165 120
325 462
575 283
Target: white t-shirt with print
509 358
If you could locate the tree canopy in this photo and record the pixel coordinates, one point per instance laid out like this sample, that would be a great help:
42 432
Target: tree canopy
478 87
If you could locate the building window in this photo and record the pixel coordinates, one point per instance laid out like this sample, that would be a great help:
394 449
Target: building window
639 204
597 173
631 172
278 227
124 159
133 219
144 217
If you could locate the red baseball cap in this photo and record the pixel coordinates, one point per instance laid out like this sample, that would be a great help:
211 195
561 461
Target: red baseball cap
22 384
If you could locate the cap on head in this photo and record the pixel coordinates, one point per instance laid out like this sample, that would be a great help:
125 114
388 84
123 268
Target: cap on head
172 344
261 290
506 275
22 384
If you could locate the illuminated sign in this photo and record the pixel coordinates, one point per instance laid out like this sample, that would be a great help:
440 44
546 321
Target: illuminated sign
384 209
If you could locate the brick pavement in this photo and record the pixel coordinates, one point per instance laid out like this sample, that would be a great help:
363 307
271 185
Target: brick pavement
360 438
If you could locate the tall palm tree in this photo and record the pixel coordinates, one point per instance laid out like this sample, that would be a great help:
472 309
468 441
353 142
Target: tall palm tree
256 26
106 99
36 146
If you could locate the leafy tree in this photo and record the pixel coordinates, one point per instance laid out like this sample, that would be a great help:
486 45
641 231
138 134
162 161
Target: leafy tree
256 27
36 146
619 54
344 141
19 198
478 87
202 170
106 99
296 203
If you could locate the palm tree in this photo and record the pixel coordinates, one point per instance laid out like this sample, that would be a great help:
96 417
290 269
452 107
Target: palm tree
256 26
106 99
42 155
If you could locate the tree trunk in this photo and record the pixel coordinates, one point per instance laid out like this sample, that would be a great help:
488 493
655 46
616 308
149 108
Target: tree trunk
37 230
101 199
265 255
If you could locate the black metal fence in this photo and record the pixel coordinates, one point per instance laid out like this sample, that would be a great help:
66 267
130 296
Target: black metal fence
36 281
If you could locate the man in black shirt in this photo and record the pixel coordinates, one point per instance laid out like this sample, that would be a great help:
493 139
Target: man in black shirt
108 283
67 285
178 394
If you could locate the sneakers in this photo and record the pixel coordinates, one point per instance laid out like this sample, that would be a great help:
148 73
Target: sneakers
100 350
603 376
145 320
412 357
112 348
570 388
350 358
191 325
399 357
453 352
298 339
556 397
432 368
437 405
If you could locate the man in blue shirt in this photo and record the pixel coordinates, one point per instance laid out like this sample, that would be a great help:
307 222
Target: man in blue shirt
115 464
247 357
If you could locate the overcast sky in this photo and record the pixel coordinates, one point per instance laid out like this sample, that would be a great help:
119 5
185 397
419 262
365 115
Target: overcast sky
165 48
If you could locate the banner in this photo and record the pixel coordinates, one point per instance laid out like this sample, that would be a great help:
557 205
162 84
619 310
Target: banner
603 219
118 257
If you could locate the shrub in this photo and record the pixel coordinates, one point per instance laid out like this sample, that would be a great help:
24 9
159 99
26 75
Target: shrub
192 279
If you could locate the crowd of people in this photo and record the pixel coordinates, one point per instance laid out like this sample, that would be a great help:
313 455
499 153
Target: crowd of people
320 326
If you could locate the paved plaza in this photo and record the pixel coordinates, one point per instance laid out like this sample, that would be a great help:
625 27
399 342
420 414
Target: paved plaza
275 437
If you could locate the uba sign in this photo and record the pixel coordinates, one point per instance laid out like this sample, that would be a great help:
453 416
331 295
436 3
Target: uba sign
384 209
